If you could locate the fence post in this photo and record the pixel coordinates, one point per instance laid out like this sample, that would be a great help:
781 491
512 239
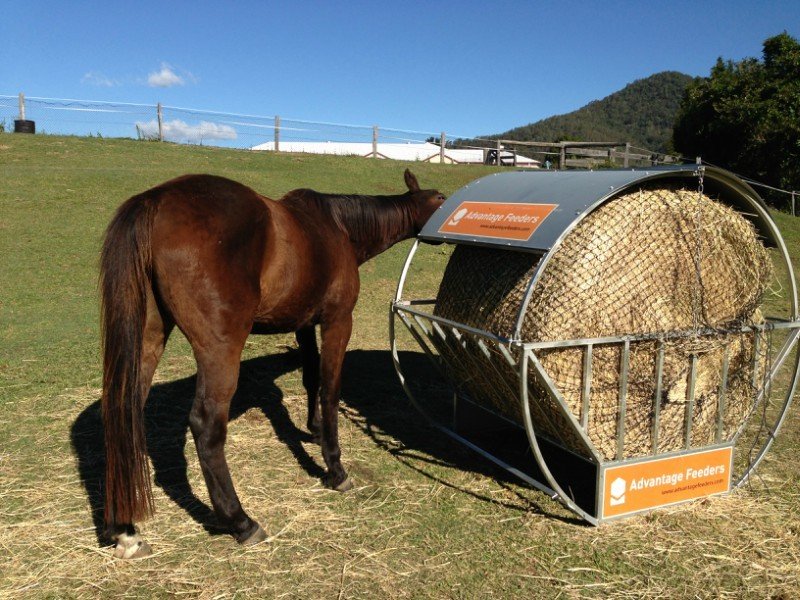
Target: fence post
21 106
441 148
160 113
611 156
498 153
374 141
562 158
793 193
626 158
277 128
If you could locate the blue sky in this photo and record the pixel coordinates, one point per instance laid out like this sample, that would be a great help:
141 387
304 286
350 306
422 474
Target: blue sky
468 68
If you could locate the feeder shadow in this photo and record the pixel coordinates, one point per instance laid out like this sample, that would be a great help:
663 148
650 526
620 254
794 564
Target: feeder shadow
167 427
370 386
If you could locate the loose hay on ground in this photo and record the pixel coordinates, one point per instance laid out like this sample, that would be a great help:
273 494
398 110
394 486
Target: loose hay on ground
419 528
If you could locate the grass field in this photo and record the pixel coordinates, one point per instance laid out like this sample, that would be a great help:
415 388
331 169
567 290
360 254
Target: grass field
427 519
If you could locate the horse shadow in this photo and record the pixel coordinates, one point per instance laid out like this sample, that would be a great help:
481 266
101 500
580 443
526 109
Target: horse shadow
372 399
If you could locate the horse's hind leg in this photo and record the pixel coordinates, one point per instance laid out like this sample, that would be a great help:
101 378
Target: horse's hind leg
217 375
307 341
128 542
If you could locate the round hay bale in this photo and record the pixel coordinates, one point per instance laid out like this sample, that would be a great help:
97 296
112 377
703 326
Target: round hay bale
650 261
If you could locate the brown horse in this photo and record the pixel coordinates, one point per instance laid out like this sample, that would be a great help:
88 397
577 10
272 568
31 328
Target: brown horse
220 261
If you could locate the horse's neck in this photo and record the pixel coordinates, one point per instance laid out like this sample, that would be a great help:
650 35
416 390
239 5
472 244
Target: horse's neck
374 224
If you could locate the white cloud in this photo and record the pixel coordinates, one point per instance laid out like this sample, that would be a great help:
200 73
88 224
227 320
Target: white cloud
179 131
98 79
167 77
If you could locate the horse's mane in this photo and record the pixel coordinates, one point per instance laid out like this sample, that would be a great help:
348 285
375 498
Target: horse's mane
365 218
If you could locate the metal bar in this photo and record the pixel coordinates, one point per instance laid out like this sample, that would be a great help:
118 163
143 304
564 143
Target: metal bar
416 302
422 326
689 414
502 464
550 387
484 349
545 415
652 337
777 363
537 453
446 350
516 472
450 323
478 367
439 331
434 357
781 417
404 273
587 386
492 360
459 338
723 388
623 398
671 454
526 298
504 351
556 493
657 396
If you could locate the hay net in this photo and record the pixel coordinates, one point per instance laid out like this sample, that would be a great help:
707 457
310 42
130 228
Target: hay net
655 260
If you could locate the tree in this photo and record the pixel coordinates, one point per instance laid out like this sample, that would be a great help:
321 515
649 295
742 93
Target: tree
746 115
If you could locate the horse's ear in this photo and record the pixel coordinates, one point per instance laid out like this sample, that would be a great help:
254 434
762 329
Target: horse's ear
411 181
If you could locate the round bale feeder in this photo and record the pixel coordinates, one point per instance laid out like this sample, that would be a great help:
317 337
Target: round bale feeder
621 339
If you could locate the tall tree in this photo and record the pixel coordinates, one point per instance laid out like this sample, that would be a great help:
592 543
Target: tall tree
746 115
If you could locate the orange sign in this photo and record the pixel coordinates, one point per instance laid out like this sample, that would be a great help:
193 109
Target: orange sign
503 220
662 481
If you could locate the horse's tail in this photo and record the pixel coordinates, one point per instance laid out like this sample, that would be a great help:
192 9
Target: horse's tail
125 276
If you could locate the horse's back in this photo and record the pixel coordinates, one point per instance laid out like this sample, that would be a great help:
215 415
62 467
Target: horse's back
221 252
309 270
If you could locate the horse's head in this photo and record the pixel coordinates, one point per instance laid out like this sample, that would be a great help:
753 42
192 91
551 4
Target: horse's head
425 202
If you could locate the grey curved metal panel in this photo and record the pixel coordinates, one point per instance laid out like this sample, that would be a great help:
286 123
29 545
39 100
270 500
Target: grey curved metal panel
531 210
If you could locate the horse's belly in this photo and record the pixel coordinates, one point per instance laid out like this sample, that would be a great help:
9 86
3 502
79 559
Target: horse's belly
282 324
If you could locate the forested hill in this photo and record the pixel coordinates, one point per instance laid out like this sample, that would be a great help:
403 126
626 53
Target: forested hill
643 112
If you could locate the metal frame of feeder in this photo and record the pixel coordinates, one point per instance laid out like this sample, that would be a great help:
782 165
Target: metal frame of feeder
429 330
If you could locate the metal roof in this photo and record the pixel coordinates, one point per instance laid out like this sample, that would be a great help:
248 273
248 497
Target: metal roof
548 204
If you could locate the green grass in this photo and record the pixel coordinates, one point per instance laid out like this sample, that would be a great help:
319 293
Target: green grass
427 520
58 194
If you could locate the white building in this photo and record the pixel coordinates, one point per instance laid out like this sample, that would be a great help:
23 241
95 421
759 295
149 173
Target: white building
422 151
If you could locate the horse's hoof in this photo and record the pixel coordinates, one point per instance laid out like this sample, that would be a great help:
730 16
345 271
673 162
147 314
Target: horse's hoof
130 547
259 535
345 486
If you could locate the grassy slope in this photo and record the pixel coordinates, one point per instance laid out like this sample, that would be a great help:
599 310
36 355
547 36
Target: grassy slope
57 196
427 519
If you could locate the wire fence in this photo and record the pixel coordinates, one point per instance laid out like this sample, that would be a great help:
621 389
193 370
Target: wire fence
234 130
274 133
184 125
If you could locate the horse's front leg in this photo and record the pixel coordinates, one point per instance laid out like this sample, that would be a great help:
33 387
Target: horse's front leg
335 336
307 342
